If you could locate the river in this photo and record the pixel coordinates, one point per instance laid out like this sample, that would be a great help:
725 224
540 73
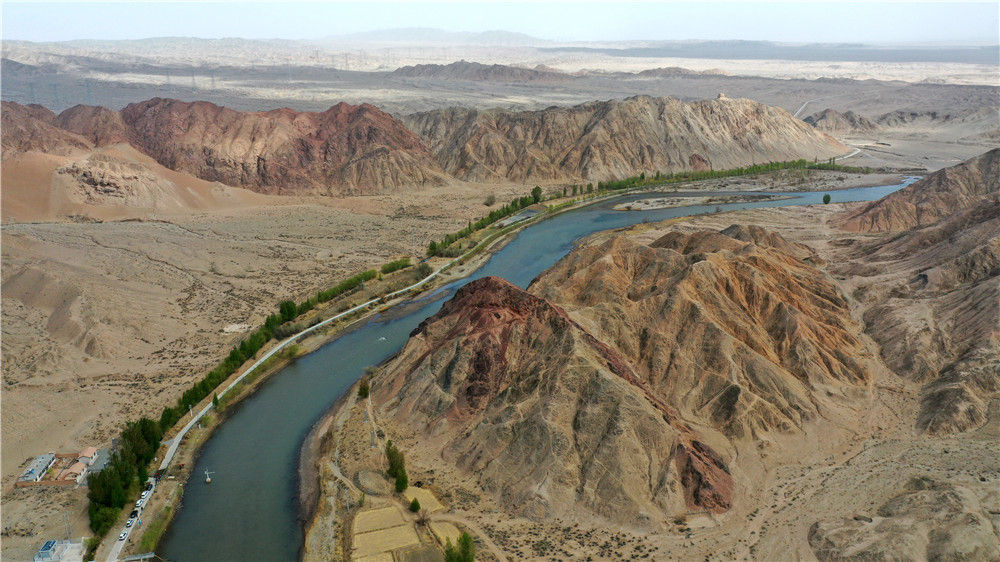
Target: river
250 511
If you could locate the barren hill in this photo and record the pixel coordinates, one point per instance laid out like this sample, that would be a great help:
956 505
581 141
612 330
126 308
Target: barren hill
629 402
345 149
30 128
848 121
934 197
934 289
615 139
463 70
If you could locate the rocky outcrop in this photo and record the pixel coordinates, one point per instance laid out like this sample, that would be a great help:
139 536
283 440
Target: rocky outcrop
615 139
737 329
30 128
463 70
833 121
100 125
938 319
345 149
548 418
612 384
928 520
936 196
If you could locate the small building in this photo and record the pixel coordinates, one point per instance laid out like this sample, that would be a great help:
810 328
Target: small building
60 551
37 468
75 472
87 455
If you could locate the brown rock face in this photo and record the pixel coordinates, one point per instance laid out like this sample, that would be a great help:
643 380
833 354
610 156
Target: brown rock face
615 139
99 125
507 387
30 128
620 402
346 149
934 197
736 329
938 319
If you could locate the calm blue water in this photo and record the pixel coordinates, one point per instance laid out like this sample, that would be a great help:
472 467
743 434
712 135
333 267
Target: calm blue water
249 512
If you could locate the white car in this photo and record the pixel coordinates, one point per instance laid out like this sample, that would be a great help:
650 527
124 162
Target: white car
129 523
138 503
143 495
123 536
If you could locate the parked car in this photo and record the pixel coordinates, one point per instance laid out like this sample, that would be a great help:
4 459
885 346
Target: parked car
129 523
143 495
138 503
123 536
149 486
134 514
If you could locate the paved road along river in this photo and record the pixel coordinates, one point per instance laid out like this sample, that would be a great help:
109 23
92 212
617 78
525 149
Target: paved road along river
249 511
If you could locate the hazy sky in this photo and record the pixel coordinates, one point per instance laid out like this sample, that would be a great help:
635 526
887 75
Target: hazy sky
777 21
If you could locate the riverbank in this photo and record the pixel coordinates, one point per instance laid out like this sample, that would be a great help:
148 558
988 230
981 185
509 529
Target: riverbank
352 351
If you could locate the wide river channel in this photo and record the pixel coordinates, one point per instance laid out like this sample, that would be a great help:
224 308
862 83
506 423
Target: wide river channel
250 510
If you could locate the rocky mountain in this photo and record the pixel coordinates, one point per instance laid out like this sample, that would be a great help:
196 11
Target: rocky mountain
615 139
623 379
100 125
30 128
934 197
463 70
345 149
831 120
935 311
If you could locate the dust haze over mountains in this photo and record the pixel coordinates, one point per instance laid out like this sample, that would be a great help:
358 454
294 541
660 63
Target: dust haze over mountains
822 381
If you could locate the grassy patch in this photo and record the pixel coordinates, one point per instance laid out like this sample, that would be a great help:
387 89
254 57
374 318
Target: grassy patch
155 529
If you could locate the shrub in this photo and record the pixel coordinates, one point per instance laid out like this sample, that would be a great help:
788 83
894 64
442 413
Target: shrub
414 505
424 269
826 198
363 389
396 265
491 200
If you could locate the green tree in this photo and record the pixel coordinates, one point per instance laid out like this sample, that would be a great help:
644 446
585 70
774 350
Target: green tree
826 198
288 310
465 551
215 400
432 249
402 481
363 389
415 505
536 194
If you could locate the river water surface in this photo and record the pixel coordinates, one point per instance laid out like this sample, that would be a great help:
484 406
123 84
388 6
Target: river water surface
250 510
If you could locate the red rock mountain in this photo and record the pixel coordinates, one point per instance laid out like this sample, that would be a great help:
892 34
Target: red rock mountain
30 128
345 149
615 139
623 379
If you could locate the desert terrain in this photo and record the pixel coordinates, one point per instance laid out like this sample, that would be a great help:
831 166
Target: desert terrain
160 197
